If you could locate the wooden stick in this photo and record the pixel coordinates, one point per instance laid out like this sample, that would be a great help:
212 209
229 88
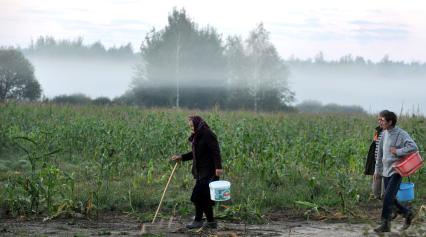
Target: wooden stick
164 192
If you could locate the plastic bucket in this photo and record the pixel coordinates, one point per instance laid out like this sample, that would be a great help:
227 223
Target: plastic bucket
405 192
220 190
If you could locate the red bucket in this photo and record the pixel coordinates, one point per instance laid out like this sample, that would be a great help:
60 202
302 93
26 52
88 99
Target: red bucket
408 164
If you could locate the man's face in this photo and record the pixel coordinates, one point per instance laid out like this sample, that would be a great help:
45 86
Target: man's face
384 123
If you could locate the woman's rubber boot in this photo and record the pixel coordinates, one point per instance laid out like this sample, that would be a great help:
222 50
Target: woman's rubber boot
385 226
408 219
211 224
195 224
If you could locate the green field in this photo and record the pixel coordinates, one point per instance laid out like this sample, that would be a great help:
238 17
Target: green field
62 160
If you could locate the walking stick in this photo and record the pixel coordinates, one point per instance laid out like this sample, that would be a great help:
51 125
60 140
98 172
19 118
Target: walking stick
164 192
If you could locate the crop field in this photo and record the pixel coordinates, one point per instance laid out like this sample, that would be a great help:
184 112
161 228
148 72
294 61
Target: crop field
71 160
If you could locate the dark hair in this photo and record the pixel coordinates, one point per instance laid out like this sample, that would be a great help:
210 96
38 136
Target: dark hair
389 116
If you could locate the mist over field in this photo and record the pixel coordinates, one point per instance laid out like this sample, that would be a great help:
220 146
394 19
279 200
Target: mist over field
92 77
397 88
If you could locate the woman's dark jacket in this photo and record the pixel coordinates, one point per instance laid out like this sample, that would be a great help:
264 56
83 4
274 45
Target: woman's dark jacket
370 161
205 155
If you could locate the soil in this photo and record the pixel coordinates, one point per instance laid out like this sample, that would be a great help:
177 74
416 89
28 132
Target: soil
123 225
327 223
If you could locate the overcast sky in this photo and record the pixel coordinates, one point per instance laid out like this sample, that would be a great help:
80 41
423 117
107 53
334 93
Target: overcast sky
368 28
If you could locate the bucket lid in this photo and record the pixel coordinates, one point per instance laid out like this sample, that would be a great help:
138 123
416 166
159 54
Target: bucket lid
220 184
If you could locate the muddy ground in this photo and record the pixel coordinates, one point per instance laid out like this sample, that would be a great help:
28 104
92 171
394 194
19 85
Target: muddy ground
282 223
122 225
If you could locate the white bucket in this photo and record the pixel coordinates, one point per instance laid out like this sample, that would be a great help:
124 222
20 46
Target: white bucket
220 190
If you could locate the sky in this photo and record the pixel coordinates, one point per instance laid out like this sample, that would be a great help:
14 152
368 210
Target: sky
367 28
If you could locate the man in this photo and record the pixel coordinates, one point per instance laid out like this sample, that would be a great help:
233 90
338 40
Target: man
394 144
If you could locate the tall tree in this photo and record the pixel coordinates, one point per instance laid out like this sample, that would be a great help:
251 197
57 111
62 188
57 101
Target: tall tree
182 55
237 63
237 74
267 71
17 80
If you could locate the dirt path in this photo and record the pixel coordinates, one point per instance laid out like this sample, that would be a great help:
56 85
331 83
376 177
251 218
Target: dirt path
126 226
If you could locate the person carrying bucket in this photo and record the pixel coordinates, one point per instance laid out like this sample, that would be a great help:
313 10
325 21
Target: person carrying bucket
394 144
206 167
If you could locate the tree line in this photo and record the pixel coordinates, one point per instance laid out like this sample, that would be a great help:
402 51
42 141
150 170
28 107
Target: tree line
310 106
48 46
357 66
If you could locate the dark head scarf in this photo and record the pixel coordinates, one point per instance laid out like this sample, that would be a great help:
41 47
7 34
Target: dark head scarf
199 125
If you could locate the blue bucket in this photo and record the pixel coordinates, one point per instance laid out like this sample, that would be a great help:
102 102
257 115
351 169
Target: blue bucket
405 192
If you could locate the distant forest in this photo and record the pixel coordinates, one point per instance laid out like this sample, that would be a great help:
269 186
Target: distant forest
49 46
358 66
347 65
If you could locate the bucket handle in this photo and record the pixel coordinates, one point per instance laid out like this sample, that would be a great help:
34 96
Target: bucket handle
409 180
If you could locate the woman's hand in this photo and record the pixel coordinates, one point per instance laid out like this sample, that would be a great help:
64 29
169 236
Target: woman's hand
377 176
219 172
176 158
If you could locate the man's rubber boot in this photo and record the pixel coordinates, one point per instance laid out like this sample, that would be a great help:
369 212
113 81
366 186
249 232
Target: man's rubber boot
408 219
385 226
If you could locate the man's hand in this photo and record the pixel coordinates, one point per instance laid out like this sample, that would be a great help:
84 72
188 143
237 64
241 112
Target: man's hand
393 150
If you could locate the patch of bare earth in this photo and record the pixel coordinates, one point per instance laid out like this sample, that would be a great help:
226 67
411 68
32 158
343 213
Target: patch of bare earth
121 225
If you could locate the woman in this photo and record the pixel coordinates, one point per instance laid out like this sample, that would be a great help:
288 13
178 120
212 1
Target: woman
394 144
206 167
371 163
